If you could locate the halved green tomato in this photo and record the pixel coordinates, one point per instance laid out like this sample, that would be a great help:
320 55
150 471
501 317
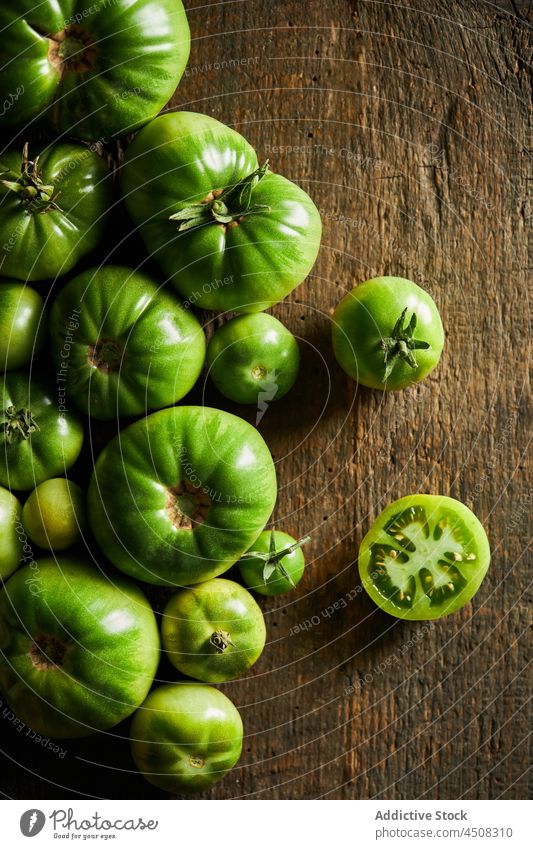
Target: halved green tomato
424 557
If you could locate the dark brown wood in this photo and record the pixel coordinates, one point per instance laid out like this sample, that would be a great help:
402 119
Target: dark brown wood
408 124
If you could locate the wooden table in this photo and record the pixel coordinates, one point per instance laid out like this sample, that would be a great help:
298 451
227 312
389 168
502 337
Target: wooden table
407 123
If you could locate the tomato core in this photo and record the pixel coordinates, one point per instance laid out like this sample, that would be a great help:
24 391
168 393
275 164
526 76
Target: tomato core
259 372
47 652
187 505
72 49
106 355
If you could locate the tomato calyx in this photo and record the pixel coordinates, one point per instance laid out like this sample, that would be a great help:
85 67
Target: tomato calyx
400 345
272 560
47 652
18 424
224 206
33 193
220 640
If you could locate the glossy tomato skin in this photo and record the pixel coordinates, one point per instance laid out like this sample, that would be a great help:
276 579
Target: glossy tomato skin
186 737
124 344
179 160
252 568
38 439
22 324
91 75
54 514
214 631
11 533
42 240
177 497
253 358
424 557
78 652
366 317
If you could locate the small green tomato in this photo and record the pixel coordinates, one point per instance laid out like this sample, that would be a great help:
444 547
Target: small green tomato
253 358
22 329
11 533
54 514
274 564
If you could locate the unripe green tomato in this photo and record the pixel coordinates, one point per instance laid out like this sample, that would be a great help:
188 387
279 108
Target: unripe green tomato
213 631
186 737
253 358
22 328
387 333
11 536
54 514
280 576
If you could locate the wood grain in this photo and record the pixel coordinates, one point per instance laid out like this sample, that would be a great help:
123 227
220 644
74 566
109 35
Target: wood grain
408 124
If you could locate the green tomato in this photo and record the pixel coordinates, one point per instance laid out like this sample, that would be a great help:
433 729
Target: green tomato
91 71
22 329
122 344
424 557
214 631
274 564
228 234
39 437
11 533
78 653
253 359
177 497
387 333
53 209
54 514
186 737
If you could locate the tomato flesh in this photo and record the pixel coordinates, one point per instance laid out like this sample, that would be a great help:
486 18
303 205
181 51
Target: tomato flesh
424 557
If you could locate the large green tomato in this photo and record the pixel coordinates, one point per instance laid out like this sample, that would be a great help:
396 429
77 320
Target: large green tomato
424 557
39 437
11 533
122 344
78 652
53 209
230 235
177 497
253 359
92 71
214 631
22 325
387 333
186 737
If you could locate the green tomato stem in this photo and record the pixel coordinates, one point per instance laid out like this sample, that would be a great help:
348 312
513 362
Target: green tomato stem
400 345
220 640
224 206
272 560
33 193
18 424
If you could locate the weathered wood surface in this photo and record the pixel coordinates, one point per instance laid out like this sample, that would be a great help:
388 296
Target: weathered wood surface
410 130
